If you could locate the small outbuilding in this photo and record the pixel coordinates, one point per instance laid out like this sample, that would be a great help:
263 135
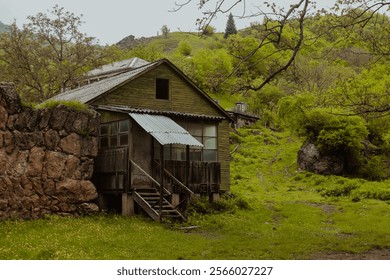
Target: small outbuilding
162 139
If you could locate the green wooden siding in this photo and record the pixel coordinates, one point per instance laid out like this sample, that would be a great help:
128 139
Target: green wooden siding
224 154
141 93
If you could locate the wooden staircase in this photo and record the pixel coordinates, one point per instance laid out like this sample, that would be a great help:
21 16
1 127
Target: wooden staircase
149 200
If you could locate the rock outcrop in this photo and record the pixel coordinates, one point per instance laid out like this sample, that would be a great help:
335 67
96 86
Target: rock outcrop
46 160
310 159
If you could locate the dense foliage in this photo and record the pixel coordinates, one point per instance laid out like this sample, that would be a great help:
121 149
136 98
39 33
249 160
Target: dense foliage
47 55
326 75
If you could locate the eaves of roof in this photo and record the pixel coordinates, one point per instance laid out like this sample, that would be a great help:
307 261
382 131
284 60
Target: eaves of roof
127 110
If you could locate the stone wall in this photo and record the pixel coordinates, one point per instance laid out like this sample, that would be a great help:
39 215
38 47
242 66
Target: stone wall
46 160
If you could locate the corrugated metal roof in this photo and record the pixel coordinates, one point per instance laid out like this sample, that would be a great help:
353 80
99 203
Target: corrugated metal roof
127 109
165 130
89 92
118 66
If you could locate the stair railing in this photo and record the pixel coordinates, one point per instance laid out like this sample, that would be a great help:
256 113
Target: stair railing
188 192
149 176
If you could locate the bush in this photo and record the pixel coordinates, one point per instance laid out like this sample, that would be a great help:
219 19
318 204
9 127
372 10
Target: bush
339 190
335 133
374 169
184 48
208 30
228 203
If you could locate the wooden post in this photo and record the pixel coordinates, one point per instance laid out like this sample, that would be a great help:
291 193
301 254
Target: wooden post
188 196
161 181
188 166
214 197
102 202
175 199
127 205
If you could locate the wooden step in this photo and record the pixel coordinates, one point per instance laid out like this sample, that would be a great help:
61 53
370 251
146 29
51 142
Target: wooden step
149 200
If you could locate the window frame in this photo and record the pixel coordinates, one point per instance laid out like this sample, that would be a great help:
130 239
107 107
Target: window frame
196 153
113 139
162 88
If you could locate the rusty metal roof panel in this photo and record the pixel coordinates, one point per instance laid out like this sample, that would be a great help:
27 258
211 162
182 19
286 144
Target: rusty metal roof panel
165 130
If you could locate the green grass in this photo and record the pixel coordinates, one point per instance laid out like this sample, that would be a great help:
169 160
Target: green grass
51 104
197 42
275 212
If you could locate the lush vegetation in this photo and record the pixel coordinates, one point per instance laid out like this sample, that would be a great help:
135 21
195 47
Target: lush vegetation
335 94
274 212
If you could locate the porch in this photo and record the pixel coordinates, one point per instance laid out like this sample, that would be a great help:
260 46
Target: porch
164 192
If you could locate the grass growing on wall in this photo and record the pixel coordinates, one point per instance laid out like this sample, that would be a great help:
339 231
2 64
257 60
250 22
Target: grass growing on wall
51 104
274 212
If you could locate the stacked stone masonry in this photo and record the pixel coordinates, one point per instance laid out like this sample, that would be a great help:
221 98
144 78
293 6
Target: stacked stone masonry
46 160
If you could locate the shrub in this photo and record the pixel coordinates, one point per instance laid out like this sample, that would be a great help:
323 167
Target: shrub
208 30
229 202
184 48
335 133
374 169
339 190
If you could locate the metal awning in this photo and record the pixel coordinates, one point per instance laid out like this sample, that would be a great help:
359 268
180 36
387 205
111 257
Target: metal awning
165 130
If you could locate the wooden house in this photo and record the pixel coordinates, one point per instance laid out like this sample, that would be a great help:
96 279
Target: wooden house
241 117
162 140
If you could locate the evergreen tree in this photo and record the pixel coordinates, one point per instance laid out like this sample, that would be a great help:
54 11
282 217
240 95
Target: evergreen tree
230 27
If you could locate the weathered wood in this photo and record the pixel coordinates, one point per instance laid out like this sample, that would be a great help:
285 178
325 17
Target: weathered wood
145 173
184 187
145 205
188 229
112 160
184 97
150 202
161 181
149 177
204 177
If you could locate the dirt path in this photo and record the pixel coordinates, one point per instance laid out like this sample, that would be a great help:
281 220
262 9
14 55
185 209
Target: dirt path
375 254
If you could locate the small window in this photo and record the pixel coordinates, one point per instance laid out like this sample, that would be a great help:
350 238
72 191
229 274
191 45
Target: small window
162 89
123 126
114 134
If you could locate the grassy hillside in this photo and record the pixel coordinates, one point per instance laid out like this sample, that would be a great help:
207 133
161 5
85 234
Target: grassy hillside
170 43
274 212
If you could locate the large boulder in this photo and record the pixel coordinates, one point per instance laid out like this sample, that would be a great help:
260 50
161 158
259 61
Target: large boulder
310 159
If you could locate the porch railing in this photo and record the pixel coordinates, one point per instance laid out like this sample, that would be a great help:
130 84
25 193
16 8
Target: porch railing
149 176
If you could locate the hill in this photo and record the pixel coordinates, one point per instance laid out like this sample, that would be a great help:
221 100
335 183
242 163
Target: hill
3 27
170 43
338 79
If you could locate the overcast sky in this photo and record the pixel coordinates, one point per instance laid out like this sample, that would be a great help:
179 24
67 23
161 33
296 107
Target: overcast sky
112 20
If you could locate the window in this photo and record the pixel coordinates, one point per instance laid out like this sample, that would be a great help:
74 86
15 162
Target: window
162 89
204 133
114 134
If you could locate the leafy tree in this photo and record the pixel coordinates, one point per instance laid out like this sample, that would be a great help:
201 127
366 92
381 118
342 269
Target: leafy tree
230 27
165 31
208 30
286 28
211 68
272 31
366 93
147 52
48 55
